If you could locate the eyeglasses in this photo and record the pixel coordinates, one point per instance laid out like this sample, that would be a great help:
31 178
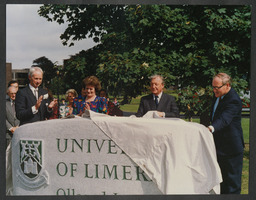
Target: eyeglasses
217 88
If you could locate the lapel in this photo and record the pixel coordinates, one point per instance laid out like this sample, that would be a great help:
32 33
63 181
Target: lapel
213 102
152 102
10 110
162 101
31 96
39 92
9 106
218 110
222 102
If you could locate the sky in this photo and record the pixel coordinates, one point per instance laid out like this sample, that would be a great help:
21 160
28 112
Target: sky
29 36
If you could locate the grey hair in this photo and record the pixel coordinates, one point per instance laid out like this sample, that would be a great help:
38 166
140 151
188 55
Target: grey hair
8 89
224 77
157 76
33 69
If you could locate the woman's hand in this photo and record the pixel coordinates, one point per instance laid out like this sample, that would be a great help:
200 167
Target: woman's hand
70 111
87 106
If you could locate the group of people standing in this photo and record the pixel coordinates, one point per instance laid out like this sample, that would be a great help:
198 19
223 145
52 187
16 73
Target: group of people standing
33 104
87 100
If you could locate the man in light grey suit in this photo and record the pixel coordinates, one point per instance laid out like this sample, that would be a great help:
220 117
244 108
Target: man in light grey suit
164 104
13 83
12 123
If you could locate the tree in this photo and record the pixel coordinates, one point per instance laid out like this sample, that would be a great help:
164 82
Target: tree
187 44
80 66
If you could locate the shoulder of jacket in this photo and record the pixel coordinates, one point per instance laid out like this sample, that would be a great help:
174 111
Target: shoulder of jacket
168 95
149 96
233 93
23 90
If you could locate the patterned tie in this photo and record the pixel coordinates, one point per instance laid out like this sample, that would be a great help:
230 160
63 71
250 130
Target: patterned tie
156 101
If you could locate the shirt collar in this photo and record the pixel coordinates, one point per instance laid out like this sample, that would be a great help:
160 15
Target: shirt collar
32 88
159 96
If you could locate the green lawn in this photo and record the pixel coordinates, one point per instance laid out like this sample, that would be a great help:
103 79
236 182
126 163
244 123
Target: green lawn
245 173
133 107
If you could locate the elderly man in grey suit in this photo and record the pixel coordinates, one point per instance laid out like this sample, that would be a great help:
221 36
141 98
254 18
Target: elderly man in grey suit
164 104
12 123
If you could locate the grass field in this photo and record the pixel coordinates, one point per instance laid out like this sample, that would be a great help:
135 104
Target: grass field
133 107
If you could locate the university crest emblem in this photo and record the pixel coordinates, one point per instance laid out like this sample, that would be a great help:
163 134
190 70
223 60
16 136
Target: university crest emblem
31 164
31 157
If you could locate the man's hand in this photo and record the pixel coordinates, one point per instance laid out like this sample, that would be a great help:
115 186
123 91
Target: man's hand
13 129
38 103
161 114
209 129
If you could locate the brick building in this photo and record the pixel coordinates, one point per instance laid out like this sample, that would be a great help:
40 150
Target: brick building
21 75
8 73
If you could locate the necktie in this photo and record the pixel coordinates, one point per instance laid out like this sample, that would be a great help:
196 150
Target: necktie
215 106
13 107
156 101
36 93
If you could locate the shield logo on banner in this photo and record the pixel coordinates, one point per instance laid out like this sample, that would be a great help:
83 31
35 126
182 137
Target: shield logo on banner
31 157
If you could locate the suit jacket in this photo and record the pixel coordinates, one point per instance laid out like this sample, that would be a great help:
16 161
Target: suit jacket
25 99
166 104
228 133
11 119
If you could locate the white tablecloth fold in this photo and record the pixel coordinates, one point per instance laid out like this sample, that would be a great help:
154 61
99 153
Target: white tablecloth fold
179 156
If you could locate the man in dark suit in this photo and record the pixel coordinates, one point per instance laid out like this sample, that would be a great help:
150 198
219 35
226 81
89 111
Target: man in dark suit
164 104
12 123
32 102
227 133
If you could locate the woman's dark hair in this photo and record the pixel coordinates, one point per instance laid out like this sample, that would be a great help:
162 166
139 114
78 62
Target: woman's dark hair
92 81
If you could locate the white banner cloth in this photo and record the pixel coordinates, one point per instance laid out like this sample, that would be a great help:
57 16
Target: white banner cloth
179 156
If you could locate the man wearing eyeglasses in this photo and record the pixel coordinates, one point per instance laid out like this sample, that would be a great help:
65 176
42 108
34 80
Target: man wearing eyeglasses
227 132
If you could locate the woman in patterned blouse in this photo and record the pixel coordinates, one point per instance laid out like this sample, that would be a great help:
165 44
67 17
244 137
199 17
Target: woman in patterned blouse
92 102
